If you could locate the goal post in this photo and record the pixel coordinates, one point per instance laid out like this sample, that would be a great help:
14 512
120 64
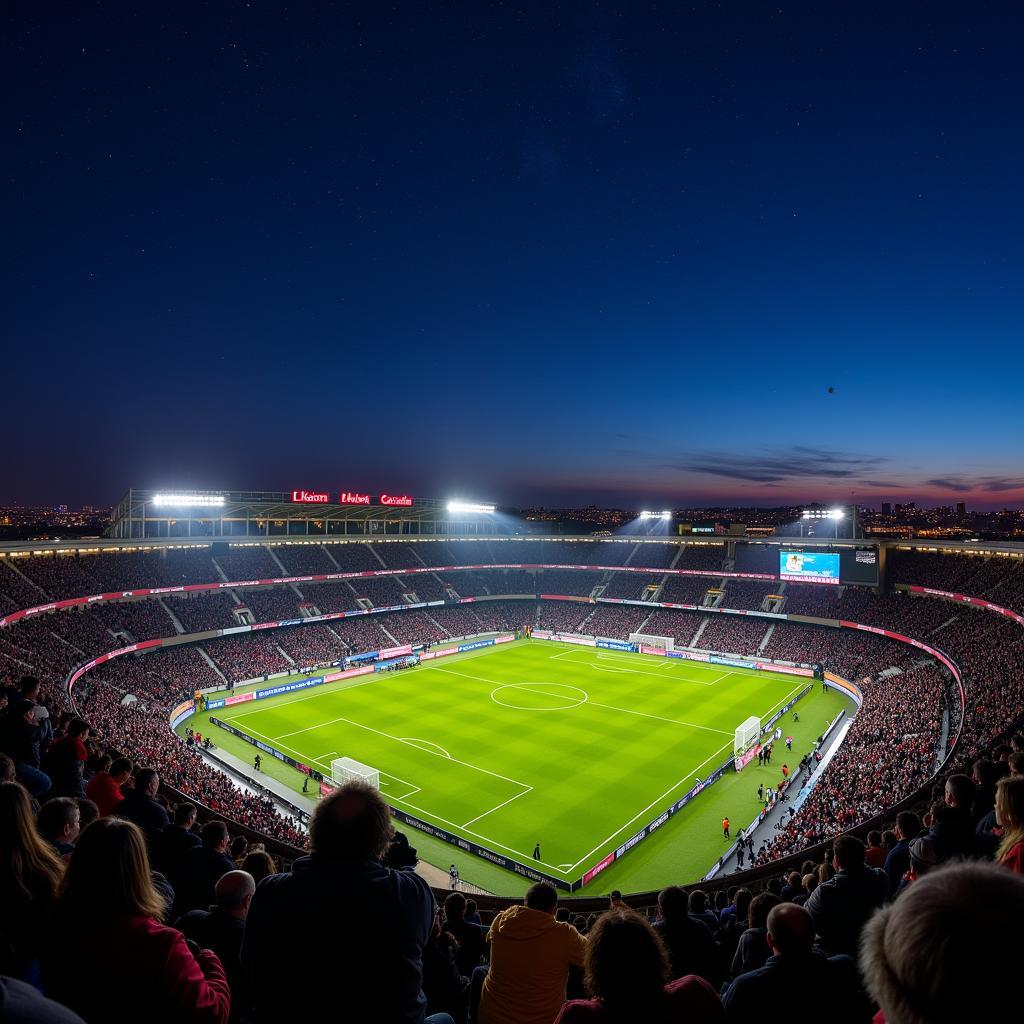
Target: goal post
664 643
345 769
746 735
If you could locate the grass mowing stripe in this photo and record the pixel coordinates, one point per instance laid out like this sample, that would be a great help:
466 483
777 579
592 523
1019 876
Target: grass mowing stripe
587 769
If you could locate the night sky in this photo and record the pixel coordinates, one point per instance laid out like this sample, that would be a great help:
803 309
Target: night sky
554 252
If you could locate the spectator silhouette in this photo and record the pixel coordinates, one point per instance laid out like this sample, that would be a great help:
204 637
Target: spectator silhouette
108 958
627 972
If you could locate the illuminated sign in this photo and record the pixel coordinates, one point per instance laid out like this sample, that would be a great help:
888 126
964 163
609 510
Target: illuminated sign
396 499
188 500
311 497
351 498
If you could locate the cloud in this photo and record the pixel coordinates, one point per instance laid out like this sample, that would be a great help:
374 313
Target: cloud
950 484
776 466
989 484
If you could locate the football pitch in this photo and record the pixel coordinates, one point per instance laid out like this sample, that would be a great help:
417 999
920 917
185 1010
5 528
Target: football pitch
536 742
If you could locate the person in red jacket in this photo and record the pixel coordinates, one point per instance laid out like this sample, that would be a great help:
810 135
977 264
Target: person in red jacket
104 788
626 969
109 958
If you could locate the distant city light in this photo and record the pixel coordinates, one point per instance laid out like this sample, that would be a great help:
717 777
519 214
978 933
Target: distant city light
472 507
188 500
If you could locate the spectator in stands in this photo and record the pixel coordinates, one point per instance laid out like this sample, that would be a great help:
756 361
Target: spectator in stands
30 875
875 854
470 937
1010 817
946 944
20 734
841 906
108 957
795 976
952 830
752 950
141 806
689 942
734 924
259 864
7 772
175 841
58 822
445 987
202 867
88 812
221 929
22 1004
897 861
531 954
65 760
699 909
984 774
627 974
104 788
374 920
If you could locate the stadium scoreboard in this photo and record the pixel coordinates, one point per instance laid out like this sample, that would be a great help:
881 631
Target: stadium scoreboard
802 563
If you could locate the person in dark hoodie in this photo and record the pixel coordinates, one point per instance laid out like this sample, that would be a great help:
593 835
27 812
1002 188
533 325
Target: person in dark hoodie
202 867
174 842
690 944
897 861
375 921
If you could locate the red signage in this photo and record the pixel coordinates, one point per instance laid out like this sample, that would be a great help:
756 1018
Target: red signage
351 498
396 499
311 497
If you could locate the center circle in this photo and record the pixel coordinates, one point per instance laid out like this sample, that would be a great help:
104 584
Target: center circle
539 696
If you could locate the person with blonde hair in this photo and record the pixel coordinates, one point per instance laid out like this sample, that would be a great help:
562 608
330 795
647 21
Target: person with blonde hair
108 956
627 970
1010 816
30 875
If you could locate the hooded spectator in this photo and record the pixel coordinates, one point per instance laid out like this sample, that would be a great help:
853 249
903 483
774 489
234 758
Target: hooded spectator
627 973
531 954
108 957
752 950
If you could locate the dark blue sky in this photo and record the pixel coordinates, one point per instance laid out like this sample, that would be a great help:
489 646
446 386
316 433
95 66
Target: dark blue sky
552 251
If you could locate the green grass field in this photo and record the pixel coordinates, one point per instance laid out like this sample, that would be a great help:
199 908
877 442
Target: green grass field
571 747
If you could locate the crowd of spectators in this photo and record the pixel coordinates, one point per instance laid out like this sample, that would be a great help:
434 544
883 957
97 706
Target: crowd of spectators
311 645
563 616
733 634
248 656
687 589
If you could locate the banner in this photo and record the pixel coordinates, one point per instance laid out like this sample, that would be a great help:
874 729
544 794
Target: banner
615 645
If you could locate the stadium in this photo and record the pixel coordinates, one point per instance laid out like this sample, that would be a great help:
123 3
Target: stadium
617 713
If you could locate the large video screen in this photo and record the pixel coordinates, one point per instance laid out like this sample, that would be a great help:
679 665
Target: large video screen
809 566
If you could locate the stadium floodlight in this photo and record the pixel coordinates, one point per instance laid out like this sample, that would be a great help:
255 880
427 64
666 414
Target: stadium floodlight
656 515
472 507
188 500
836 513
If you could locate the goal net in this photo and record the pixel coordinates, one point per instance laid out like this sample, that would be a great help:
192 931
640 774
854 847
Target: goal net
345 769
746 735
665 643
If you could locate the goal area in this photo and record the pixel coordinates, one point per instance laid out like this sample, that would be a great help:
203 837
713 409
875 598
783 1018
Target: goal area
664 643
746 735
345 769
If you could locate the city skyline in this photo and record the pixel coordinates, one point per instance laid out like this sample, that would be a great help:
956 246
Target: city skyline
561 254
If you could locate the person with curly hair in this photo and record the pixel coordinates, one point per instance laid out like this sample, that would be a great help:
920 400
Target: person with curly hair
626 973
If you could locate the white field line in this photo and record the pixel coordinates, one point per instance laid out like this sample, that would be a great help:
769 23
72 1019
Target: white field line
317 692
422 744
387 735
672 721
788 696
718 679
504 803
303 758
653 803
486 840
